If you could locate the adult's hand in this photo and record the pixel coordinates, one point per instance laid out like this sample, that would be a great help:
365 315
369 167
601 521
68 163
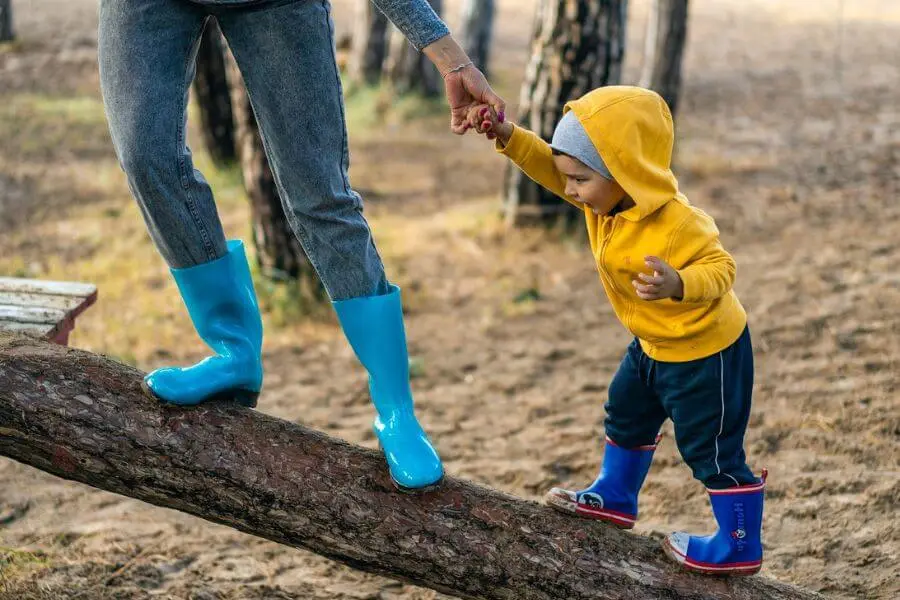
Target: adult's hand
467 88
465 84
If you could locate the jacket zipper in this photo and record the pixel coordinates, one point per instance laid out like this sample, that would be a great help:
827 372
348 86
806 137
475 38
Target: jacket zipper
629 312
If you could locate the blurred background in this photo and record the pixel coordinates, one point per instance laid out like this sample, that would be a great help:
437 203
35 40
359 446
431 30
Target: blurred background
788 133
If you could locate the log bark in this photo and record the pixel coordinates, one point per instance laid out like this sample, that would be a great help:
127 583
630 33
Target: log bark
577 45
213 99
279 254
369 44
664 49
83 417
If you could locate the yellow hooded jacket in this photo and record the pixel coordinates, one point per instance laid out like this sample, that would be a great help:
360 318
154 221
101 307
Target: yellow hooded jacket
632 130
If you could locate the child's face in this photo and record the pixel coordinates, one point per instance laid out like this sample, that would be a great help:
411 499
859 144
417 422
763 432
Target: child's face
587 186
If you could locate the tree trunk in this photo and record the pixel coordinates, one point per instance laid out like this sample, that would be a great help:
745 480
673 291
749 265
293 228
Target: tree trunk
279 254
664 48
578 45
369 45
6 23
409 71
477 26
84 417
211 89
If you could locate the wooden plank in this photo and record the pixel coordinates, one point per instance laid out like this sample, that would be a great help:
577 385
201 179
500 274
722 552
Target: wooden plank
66 303
42 330
24 314
46 309
57 288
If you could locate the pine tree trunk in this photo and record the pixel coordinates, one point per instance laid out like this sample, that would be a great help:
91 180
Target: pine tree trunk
279 255
407 70
477 25
578 45
6 24
370 44
664 49
213 99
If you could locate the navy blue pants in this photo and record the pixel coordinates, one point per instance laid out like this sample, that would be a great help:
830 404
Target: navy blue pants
708 401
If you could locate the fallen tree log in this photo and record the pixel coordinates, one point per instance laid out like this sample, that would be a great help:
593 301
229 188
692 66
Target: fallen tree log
84 417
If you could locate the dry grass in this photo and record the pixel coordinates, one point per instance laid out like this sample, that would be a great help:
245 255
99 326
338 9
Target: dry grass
17 567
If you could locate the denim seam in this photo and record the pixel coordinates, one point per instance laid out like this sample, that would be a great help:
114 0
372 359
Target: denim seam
180 122
181 142
345 151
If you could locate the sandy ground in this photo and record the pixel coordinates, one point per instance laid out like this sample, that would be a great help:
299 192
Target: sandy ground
789 134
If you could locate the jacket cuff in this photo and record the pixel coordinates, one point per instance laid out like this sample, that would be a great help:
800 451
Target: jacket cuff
518 147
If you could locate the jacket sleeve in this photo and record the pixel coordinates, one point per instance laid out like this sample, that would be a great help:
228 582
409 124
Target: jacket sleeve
416 19
708 271
533 156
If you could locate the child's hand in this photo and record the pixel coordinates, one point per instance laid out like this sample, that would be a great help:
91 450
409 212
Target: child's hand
664 283
484 120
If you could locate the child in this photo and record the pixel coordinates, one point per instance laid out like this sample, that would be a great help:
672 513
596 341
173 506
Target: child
669 281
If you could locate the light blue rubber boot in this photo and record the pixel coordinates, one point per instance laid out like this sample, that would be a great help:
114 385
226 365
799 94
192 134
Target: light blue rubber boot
374 327
736 548
222 304
613 496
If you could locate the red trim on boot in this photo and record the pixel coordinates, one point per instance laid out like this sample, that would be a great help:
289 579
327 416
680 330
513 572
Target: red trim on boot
646 447
620 519
736 568
742 489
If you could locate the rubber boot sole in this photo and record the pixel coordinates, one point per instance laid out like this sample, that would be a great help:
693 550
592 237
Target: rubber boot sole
737 570
408 490
243 397
620 520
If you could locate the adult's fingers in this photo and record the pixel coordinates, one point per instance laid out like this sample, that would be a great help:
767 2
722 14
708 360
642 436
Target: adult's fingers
459 122
496 102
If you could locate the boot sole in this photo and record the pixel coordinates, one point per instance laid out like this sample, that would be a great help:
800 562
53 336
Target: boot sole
242 397
735 571
565 505
419 490
408 490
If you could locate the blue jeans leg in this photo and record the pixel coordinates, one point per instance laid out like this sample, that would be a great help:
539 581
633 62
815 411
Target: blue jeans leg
286 55
147 50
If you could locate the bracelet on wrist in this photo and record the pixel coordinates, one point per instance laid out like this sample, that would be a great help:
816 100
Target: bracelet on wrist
457 69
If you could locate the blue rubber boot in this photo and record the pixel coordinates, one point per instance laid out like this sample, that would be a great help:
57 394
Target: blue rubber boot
222 304
613 496
374 327
736 548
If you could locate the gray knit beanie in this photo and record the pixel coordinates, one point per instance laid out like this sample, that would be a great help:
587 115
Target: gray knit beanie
571 138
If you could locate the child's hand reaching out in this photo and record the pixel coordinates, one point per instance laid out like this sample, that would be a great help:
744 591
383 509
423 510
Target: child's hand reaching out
484 120
664 283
